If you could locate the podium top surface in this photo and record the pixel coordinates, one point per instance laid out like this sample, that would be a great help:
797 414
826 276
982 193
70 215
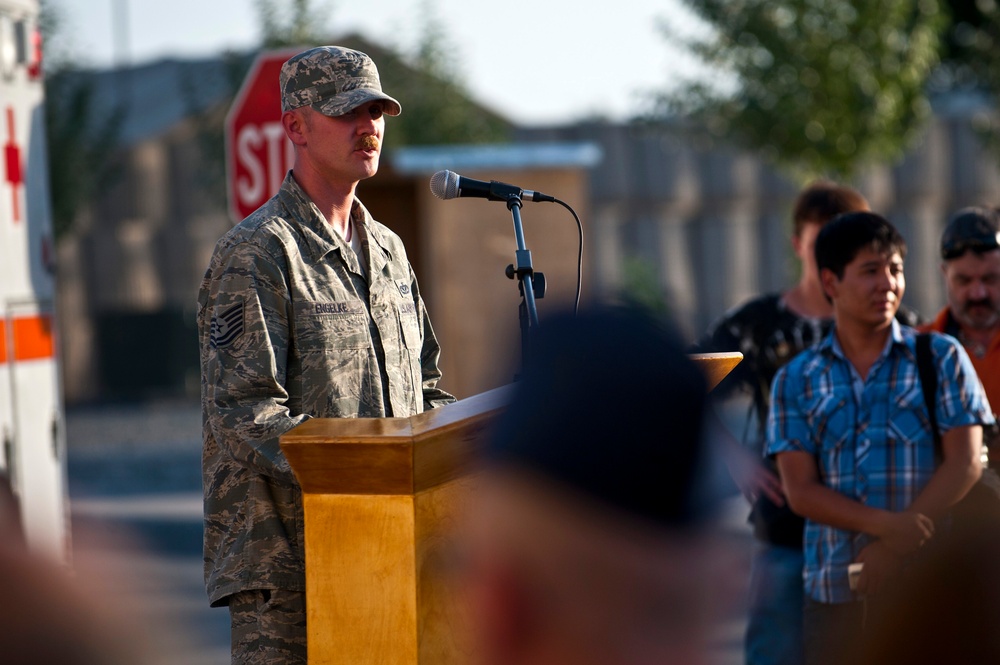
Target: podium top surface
716 365
409 455
391 455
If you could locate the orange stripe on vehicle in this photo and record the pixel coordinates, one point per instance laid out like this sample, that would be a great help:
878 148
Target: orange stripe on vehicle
33 338
3 341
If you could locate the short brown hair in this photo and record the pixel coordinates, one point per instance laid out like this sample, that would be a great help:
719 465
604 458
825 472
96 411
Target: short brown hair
822 201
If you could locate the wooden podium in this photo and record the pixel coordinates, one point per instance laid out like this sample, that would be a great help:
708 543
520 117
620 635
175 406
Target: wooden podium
381 497
716 365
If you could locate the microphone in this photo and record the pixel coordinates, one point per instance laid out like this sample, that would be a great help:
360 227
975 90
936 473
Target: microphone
449 185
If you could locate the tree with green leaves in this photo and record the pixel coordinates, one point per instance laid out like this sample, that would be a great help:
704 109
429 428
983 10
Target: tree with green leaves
296 23
81 148
970 56
970 60
438 107
821 87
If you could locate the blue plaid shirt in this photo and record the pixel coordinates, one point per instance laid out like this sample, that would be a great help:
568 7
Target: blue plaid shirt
871 439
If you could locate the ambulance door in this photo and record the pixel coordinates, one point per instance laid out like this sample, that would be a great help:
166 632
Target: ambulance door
36 457
6 399
33 452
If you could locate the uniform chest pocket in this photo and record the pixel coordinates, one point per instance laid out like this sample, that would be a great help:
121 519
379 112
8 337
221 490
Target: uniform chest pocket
322 327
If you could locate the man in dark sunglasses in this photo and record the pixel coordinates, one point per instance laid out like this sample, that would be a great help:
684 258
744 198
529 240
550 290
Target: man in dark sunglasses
970 263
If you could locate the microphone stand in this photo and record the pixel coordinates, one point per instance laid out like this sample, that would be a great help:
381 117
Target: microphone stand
526 277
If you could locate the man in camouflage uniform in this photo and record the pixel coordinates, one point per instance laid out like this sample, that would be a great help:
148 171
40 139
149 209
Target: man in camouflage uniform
309 308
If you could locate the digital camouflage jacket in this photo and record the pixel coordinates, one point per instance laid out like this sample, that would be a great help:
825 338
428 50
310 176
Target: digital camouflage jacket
289 329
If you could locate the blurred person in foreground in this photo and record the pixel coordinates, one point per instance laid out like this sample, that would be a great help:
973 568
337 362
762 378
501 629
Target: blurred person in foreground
770 330
852 436
970 265
80 615
592 538
948 609
309 308
50 615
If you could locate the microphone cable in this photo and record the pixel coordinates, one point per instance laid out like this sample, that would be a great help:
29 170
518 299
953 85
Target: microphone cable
579 254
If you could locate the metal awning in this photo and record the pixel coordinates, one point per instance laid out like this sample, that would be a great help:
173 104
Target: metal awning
505 156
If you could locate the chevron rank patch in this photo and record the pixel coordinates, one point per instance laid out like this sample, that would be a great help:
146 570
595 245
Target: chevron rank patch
227 327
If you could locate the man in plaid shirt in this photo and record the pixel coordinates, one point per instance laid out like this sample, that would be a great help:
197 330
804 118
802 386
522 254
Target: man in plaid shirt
851 434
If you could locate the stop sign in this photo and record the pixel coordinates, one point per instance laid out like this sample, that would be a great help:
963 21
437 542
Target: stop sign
258 154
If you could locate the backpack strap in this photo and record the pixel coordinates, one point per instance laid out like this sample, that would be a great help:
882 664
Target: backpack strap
928 383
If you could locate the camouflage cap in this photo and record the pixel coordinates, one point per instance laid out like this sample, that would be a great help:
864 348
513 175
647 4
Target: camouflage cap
333 80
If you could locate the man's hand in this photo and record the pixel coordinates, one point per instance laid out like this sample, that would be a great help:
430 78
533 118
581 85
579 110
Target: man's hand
757 480
881 565
905 532
752 477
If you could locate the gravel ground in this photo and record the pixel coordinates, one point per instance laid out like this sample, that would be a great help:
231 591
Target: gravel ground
135 496
153 423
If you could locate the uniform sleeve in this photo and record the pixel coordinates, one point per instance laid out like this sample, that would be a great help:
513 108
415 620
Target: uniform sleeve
430 355
787 428
961 398
244 317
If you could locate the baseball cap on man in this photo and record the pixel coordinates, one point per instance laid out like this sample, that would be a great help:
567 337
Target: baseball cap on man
975 229
333 80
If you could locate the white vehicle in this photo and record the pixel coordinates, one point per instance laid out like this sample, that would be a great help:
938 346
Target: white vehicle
33 454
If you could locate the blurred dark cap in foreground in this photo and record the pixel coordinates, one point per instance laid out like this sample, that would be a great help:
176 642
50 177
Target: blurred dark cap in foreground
611 406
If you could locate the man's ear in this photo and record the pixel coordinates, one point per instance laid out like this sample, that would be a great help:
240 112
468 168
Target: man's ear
294 124
797 244
830 283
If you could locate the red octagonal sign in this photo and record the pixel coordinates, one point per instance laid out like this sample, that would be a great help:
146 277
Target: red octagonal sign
257 152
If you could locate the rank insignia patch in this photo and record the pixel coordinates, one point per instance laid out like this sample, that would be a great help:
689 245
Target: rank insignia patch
227 327
404 288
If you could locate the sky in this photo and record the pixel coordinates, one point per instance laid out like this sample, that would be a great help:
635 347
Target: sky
537 62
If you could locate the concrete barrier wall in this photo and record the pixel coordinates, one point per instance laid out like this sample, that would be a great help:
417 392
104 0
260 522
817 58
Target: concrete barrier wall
710 227
714 224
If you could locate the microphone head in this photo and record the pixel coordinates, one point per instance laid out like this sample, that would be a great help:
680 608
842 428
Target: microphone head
444 184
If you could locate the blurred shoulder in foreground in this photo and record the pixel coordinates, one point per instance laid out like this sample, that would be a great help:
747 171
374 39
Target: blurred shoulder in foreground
947 606
593 534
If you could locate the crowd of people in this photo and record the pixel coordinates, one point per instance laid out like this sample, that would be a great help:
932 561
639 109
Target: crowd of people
840 461
594 535
593 539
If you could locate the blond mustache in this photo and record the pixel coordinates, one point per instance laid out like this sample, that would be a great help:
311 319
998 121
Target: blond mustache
368 142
